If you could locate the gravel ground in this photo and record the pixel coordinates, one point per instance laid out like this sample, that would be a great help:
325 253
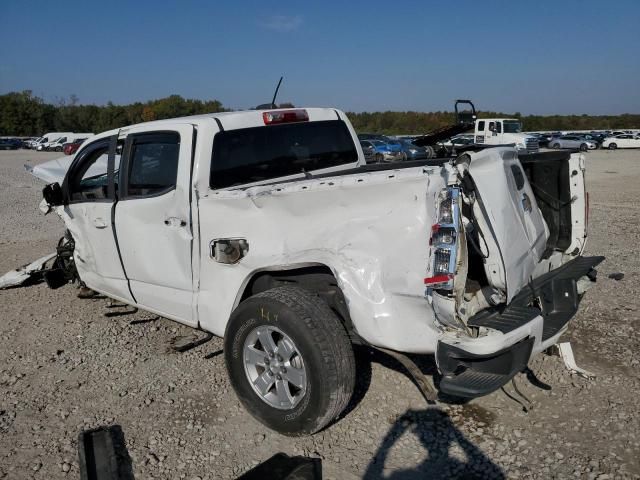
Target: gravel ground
65 367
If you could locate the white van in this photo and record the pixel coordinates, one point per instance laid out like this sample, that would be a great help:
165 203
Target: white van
57 145
48 138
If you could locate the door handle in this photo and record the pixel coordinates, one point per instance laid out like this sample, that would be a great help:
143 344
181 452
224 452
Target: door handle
99 223
175 222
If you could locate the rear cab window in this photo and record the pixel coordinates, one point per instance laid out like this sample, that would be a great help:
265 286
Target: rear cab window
255 154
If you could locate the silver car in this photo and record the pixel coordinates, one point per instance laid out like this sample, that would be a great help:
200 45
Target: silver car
573 141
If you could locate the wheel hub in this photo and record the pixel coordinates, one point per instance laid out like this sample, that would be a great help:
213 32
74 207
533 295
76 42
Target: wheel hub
274 367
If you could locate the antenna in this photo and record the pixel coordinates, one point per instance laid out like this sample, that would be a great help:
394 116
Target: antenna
275 94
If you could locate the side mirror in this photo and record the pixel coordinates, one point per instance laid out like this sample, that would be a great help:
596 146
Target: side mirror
52 194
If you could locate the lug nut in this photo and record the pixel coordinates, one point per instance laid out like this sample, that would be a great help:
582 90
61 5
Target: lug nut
283 370
271 354
270 373
266 360
278 377
279 358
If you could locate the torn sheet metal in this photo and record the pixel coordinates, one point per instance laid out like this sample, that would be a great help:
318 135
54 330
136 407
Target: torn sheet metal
566 354
56 169
51 171
509 217
21 275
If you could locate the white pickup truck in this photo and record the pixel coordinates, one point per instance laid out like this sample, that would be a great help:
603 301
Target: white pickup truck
267 228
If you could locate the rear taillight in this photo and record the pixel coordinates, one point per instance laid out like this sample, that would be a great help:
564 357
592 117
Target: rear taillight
444 241
285 116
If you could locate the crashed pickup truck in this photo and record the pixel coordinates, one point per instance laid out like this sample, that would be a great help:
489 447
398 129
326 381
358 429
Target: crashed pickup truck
268 228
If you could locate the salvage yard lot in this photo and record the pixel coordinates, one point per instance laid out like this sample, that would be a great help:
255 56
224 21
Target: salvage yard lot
65 367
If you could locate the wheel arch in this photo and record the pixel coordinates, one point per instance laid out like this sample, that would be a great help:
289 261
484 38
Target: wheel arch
318 278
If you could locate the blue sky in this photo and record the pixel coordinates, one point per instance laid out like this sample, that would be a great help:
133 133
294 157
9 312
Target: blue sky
533 57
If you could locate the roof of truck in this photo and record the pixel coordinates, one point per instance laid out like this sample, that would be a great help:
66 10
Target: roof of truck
235 119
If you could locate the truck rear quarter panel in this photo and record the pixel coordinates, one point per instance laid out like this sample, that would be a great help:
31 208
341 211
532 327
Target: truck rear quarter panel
371 230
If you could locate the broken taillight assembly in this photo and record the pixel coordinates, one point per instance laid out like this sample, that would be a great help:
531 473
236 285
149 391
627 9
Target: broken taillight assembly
444 241
276 117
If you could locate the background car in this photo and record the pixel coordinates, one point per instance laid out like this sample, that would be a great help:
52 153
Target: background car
413 152
9 144
368 149
625 140
544 139
387 152
72 147
573 141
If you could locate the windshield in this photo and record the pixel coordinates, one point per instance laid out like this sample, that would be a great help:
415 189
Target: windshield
249 155
512 127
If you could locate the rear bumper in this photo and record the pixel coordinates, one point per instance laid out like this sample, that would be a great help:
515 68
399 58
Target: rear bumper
533 321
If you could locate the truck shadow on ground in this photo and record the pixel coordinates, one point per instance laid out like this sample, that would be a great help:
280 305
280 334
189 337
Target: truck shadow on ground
449 454
366 356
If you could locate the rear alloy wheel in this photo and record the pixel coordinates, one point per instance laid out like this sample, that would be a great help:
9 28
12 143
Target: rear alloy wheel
584 147
613 146
289 360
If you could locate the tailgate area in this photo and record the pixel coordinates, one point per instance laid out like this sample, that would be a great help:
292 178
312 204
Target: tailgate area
553 296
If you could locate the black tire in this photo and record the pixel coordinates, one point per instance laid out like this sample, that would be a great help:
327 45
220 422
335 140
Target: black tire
555 146
323 343
584 147
612 146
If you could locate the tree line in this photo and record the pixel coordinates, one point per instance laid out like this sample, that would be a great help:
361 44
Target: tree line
24 114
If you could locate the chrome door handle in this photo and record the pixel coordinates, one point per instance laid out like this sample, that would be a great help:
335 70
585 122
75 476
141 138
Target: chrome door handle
175 222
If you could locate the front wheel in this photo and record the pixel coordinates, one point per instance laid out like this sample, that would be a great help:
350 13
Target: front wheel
613 146
555 146
584 147
289 360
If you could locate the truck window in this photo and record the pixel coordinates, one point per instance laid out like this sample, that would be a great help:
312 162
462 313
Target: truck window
499 127
261 153
481 126
153 163
88 182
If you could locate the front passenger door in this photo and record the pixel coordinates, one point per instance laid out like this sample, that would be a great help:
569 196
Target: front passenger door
87 214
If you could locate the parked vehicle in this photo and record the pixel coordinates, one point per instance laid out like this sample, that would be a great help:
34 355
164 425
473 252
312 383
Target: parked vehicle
625 140
413 152
504 131
58 144
48 138
544 139
387 151
8 144
573 141
369 150
30 144
72 147
372 136
268 228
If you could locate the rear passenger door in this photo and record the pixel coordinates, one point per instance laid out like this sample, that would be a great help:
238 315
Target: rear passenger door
153 218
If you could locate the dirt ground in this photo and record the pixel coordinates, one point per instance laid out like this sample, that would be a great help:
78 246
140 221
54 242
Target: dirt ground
66 367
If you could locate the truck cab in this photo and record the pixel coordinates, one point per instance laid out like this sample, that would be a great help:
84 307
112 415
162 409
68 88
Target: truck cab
504 131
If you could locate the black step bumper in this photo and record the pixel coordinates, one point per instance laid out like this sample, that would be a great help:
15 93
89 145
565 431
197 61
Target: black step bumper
553 297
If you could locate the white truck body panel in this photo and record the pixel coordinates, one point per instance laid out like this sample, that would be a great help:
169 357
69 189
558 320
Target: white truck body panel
371 229
350 232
